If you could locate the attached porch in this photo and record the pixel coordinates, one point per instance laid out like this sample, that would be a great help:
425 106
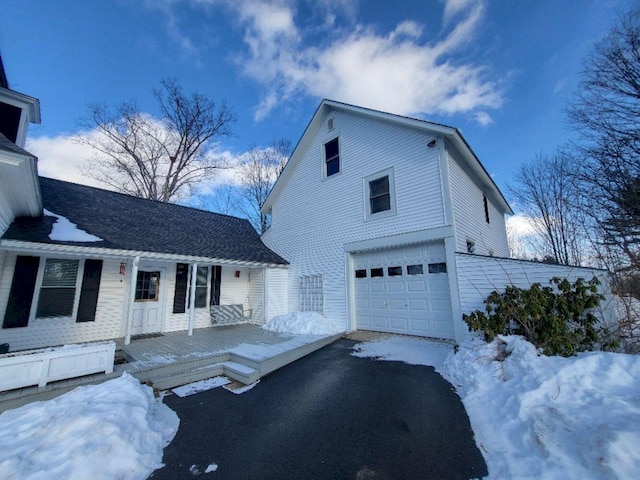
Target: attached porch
244 353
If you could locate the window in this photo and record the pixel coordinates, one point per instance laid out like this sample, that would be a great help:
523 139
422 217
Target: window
486 208
414 269
377 272
379 195
361 273
202 284
437 268
394 271
311 291
58 290
147 286
471 246
332 157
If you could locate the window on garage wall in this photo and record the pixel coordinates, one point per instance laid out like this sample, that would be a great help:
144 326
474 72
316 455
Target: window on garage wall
311 292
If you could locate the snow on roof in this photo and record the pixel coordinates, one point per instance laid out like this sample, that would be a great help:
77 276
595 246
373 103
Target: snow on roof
65 231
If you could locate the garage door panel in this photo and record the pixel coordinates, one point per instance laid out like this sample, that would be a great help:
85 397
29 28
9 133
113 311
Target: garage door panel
417 304
416 286
398 323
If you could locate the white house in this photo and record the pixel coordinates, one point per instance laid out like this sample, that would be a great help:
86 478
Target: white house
392 224
80 264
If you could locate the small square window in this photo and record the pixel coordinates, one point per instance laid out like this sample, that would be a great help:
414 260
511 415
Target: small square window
394 271
332 157
414 269
377 272
437 268
361 273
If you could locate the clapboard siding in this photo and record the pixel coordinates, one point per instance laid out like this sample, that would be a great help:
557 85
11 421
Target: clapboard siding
313 217
277 288
256 294
479 276
59 331
469 216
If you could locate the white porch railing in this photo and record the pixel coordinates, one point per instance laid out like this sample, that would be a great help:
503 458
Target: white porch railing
38 367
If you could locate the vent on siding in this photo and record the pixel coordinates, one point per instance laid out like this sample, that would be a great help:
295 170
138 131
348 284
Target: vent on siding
330 124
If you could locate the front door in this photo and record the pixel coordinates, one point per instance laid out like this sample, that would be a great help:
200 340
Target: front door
148 302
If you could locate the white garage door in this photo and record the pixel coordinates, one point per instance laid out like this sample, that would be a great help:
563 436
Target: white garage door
404 290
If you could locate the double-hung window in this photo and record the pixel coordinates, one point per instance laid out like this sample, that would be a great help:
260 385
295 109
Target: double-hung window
332 157
380 194
202 285
58 290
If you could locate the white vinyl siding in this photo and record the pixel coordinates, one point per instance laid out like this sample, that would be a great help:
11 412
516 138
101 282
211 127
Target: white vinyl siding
61 331
311 234
277 282
469 214
256 294
479 276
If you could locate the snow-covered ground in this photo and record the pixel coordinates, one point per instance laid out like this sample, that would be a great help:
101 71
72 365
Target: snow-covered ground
536 416
302 323
115 430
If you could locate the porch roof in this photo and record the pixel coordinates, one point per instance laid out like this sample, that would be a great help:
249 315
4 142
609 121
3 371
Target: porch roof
126 223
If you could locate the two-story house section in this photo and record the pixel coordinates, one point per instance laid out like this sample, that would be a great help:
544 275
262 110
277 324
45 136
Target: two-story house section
370 212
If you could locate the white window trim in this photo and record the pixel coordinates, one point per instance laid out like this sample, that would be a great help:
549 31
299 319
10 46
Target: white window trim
36 292
392 195
334 134
208 302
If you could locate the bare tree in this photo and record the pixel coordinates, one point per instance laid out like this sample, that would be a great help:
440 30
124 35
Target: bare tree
548 194
258 173
606 115
157 158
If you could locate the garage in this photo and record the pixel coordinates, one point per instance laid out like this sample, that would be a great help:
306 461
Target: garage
404 290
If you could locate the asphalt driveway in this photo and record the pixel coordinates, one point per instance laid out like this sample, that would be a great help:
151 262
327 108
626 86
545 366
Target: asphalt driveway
327 416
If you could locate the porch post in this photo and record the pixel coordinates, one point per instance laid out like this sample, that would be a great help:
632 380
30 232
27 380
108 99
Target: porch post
192 298
132 296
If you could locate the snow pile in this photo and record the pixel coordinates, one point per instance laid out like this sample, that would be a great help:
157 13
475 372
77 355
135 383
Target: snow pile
302 323
112 430
65 231
414 351
550 417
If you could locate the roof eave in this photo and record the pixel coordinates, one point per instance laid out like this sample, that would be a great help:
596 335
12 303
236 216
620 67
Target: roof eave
86 251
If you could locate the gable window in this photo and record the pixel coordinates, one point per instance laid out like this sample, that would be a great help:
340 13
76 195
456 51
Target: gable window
380 195
58 288
332 157
486 208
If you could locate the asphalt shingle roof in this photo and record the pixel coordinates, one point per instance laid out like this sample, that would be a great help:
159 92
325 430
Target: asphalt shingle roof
130 223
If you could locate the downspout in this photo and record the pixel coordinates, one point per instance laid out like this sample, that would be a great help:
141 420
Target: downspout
132 295
192 298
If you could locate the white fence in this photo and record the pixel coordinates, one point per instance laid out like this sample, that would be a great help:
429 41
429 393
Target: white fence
38 367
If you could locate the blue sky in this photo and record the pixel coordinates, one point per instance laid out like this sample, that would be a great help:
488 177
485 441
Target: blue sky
501 71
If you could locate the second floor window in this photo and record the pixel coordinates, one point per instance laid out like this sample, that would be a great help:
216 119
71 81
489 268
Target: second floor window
332 157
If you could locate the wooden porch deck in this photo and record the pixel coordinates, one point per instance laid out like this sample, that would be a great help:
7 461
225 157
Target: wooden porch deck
243 352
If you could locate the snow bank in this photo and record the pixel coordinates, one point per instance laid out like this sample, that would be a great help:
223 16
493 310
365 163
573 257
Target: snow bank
112 430
414 351
550 417
302 323
65 231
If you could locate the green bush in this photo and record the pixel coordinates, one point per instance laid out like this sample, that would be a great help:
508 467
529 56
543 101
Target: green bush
558 320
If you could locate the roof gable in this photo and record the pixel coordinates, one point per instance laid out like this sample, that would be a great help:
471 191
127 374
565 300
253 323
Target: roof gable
129 223
453 135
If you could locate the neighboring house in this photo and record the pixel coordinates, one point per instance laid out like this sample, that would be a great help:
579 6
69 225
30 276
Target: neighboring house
391 224
80 264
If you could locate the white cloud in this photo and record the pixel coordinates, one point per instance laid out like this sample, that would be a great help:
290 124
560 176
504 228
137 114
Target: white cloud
521 225
397 72
60 157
